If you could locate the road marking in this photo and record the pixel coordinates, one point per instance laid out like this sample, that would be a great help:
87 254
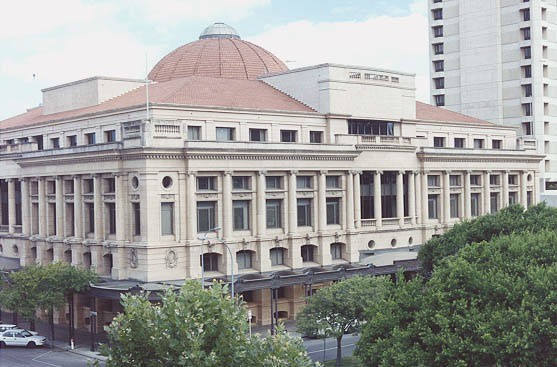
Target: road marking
42 355
334 348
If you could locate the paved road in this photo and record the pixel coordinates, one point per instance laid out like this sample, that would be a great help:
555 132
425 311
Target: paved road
41 357
315 347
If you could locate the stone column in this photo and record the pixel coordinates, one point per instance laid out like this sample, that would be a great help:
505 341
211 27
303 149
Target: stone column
181 209
121 228
25 207
42 207
377 198
98 208
78 207
322 201
486 193
349 201
261 204
59 207
357 199
524 189
505 188
467 196
11 206
292 203
425 198
419 190
412 197
227 204
191 206
446 196
400 197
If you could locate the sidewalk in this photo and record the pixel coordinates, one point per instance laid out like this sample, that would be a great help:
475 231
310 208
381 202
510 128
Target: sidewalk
81 350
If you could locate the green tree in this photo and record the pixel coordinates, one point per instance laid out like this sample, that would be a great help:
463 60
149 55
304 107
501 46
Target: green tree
339 308
194 327
491 305
512 219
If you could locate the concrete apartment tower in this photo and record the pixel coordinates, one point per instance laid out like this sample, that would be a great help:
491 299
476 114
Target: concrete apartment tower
496 60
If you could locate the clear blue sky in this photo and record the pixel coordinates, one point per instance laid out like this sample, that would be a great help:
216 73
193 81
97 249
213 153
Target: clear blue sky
45 43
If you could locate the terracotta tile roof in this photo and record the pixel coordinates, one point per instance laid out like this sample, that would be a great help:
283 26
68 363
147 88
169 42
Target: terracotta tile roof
217 57
191 91
428 112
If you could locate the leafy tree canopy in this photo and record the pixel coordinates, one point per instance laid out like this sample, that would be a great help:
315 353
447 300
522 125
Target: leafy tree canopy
491 305
512 219
194 327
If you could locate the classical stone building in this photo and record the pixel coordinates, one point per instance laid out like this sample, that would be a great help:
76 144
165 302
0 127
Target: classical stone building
299 172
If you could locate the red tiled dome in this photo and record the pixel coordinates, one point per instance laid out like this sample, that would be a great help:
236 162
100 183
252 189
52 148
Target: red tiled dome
221 54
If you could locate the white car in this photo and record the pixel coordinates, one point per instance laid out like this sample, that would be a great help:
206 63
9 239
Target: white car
4 327
22 338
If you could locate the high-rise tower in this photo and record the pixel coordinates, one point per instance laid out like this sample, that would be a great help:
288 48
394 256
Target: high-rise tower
496 60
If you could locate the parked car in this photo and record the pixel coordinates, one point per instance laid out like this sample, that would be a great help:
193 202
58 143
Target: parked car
4 327
22 338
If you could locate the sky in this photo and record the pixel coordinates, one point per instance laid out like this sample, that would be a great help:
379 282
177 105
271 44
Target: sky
47 43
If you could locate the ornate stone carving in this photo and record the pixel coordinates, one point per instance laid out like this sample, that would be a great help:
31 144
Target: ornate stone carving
134 260
171 259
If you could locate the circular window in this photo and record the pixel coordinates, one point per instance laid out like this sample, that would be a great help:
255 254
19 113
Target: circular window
410 240
393 242
15 249
135 182
529 177
167 182
371 244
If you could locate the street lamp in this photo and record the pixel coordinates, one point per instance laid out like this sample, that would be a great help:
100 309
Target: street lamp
231 266
203 239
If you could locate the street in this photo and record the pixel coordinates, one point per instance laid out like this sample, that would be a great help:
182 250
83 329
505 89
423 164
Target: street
41 357
315 347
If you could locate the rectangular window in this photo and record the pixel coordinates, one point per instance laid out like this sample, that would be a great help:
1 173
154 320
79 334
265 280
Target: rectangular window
438 142
475 180
68 187
288 136
333 182
136 209
455 205
494 202
527 71
90 217
439 65
304 182
167 218
90 138
241 183
527 108
206 183
72 140
433 181
304 212
109 185
333 210
111 210
513 179
88 186
438 48
257 135
439 83
432 206
39 140
527 128
526 52
437 31
496 144
437 14
475 204
525 33
454 181
277 256
273 182
109 136
206 215
478 143
494 180
371 127
459 142
55 143
241 214
527 89
243 258
439 100
525 14
274 213
194 132
225 133
336 251
513 198
316 137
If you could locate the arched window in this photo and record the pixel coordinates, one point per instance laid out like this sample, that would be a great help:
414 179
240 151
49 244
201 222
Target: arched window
244 259
211 261
107 264
337 250
308 253
87 260
277 256
68 256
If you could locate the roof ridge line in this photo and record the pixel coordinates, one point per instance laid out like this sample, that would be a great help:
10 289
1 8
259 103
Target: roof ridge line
286 94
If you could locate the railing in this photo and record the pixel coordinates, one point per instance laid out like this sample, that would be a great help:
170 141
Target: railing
368 222
17 228
390 221
372 139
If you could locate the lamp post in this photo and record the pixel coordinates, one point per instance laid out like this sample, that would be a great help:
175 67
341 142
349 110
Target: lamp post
203 239
231 266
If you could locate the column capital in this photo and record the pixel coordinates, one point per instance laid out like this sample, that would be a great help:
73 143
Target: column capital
227 173
426 172
400 172
378 172
10 180
76 177
488 172
467 172
191 173
24 179
323 172
261 173
356 172
293 172
447 172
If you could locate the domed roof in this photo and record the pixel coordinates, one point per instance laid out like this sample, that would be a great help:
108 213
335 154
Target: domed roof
219 53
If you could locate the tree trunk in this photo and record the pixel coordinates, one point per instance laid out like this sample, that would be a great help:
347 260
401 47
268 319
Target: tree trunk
71 326
339 350
51 324
32 325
